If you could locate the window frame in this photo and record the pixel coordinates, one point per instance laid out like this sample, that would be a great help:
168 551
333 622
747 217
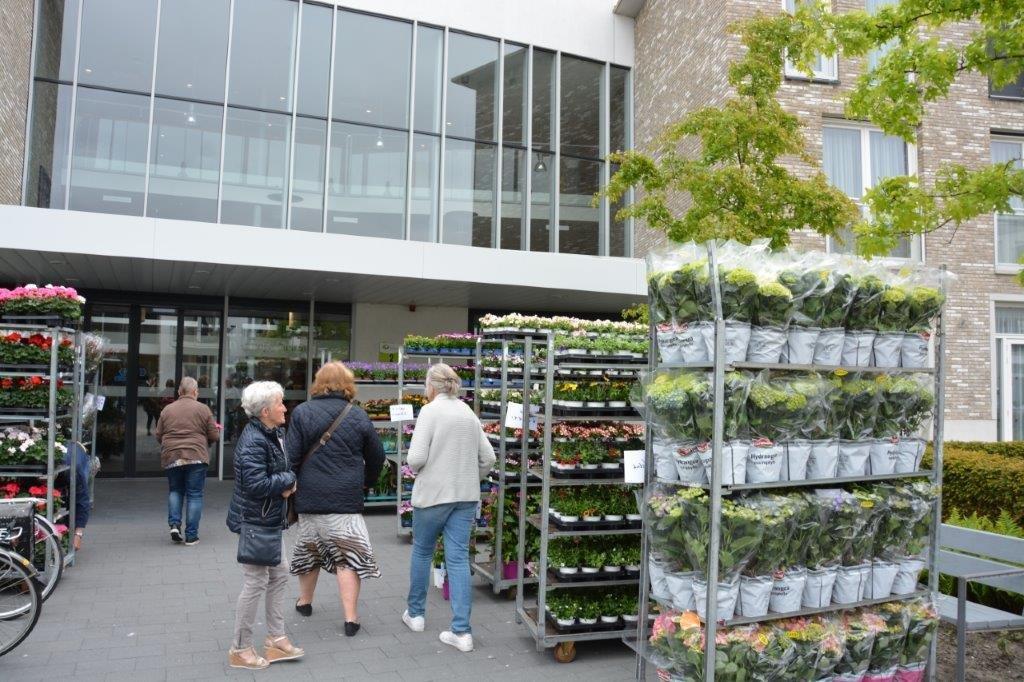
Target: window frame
917 249
791 73
1002 267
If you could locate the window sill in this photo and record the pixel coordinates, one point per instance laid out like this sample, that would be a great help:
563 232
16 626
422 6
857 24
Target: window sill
1008 269
819 80
1006 98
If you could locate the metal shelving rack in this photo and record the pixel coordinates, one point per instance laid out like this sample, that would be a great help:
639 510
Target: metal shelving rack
544 634
54 418
638 638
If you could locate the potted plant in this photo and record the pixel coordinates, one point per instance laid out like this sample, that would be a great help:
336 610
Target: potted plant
610 610
591 454
589 611
618 394
828 351
614 560
564 556
773 308
33 301
564 608
595 394
862 323
810 283
739 290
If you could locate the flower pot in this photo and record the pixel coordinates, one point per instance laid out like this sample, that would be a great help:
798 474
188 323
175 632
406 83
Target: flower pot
609 466
755 593
588 621
882 459
680 589
613 517
509 570
909 453
828 350
795 466
664 461
689 466
887 349
764 462
818 588
632 568
569 519
568 570
659 581
609 620
800 345
589 467
612 569
857 347
882 575
591 519
850 581
617 403
766 344
910 673
590 570
634 518
565 622
572 403
594 403
788 591
737 340
726 596
907 576
853 458
824 460
914 351
690 340
630 617
734 462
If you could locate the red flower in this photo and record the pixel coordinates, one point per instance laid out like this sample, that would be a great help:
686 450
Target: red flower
6 383
13 337
37 381
11 489
37 491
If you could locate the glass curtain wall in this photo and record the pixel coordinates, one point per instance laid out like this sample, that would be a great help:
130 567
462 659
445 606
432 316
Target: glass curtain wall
264 113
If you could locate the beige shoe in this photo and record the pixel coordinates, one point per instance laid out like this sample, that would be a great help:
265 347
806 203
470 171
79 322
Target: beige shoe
281 649
246 658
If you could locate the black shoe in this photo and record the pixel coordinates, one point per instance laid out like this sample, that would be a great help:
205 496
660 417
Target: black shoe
191 541
176 534
351 629
304 609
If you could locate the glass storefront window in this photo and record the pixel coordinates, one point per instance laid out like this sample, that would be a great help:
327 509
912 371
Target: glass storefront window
617 236
513 104
108 164
468 193
193 49
157 384
185 160
543 87
117 44
371 70
427 96
48 145
579 222
426 153
262 54
57 25
366 193
471 82
255 168
618 134
308 174
542 192
314 60
580 122
513 189
112 323
332 334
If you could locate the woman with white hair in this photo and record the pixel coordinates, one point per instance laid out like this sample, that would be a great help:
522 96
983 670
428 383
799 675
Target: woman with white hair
450 454
263 482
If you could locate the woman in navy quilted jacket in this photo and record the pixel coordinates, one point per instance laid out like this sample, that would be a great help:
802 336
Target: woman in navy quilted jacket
332 533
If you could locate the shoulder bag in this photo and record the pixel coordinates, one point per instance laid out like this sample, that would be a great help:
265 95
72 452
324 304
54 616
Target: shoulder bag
292 515
260 545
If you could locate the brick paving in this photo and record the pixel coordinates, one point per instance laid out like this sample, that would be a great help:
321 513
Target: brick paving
136 607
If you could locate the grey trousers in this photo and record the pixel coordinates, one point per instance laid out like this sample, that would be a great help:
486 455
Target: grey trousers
261 581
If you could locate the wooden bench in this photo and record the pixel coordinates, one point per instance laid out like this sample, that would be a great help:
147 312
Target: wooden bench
974 556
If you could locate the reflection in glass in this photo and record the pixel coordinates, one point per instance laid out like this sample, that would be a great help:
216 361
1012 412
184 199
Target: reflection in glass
56 25
543 87
314 60
308 179
468 193
255 168
193 49
185 160
157 382
472 74
513 190
371 70
367 181
111 322
619 112
332 333
426 153
108 164
579 222
542 191
427 104
200 359
262 54
581 107
513 103
617 237
48 145
117 44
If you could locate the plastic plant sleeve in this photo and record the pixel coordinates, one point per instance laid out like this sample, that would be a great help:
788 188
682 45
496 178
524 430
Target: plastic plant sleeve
883 573
755 594
851 581
788 590
818 588
839 300
921 627
914 350
860 629
778 524
856 403
870 509
726 595
809 279
794 467
817 644
765 461
885 654
867 304
908 575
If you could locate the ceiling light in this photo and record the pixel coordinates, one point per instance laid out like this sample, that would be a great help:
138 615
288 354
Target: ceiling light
540 166
282 98
194 286
57 262
88 70
188 85
369 111
191 118
380 139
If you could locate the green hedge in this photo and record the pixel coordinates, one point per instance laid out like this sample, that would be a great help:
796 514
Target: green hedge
1013 448
982 482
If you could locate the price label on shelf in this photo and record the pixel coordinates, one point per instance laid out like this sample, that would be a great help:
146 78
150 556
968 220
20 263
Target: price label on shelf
101 400
401 413
514 417
633 461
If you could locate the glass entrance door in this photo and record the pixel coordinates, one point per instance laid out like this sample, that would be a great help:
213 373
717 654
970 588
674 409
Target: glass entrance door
157 381
1011 389
112 323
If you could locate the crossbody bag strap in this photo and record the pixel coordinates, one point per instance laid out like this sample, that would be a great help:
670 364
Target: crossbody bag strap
327 435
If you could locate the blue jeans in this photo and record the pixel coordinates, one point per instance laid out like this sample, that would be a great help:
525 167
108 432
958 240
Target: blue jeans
186 484
454 519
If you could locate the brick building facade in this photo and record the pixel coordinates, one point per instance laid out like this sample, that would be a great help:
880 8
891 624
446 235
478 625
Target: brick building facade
682 53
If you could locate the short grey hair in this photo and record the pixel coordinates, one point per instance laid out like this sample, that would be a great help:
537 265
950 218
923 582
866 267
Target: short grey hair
443 380
259 395
188 386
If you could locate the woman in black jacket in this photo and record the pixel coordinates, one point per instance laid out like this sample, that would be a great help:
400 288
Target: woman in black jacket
262 484
332 533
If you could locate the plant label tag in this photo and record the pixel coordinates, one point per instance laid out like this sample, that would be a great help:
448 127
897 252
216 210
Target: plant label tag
401 413
633 461
514 417
101 400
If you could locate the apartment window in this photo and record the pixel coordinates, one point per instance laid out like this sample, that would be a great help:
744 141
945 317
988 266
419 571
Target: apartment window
1014 90
875 56
1009 370
1009 226
855 159
822 68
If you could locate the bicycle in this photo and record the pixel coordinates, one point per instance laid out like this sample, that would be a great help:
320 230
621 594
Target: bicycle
20 598
48 552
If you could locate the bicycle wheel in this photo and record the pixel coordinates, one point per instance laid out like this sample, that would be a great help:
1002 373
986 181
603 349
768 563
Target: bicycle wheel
47 557
20 602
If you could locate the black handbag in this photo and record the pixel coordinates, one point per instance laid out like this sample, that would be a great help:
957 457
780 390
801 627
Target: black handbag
260 545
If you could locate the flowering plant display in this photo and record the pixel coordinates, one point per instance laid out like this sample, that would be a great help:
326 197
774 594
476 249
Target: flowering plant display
867 303
32 391
27 445
408 475
13 490
517 322
853 411
32 299
380 372
34 349
773 305
922 623
817 646
452 343
778 524
888 646
681 295
810 289
861 627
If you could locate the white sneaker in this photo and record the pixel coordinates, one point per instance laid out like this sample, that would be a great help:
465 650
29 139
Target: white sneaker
462 642
415 624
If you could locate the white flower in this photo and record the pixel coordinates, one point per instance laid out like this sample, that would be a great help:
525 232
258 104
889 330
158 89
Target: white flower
26 445
31 287
22 435
60 447
12 450
81 299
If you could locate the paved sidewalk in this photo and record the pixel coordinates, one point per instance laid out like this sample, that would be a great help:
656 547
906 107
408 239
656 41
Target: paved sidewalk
136 607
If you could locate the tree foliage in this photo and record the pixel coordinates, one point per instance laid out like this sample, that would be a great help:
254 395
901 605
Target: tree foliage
737 185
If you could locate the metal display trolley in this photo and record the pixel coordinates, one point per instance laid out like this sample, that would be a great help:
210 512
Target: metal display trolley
53 416
638 637
544 630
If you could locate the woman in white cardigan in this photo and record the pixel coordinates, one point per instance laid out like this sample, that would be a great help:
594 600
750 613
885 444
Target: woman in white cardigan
450 454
